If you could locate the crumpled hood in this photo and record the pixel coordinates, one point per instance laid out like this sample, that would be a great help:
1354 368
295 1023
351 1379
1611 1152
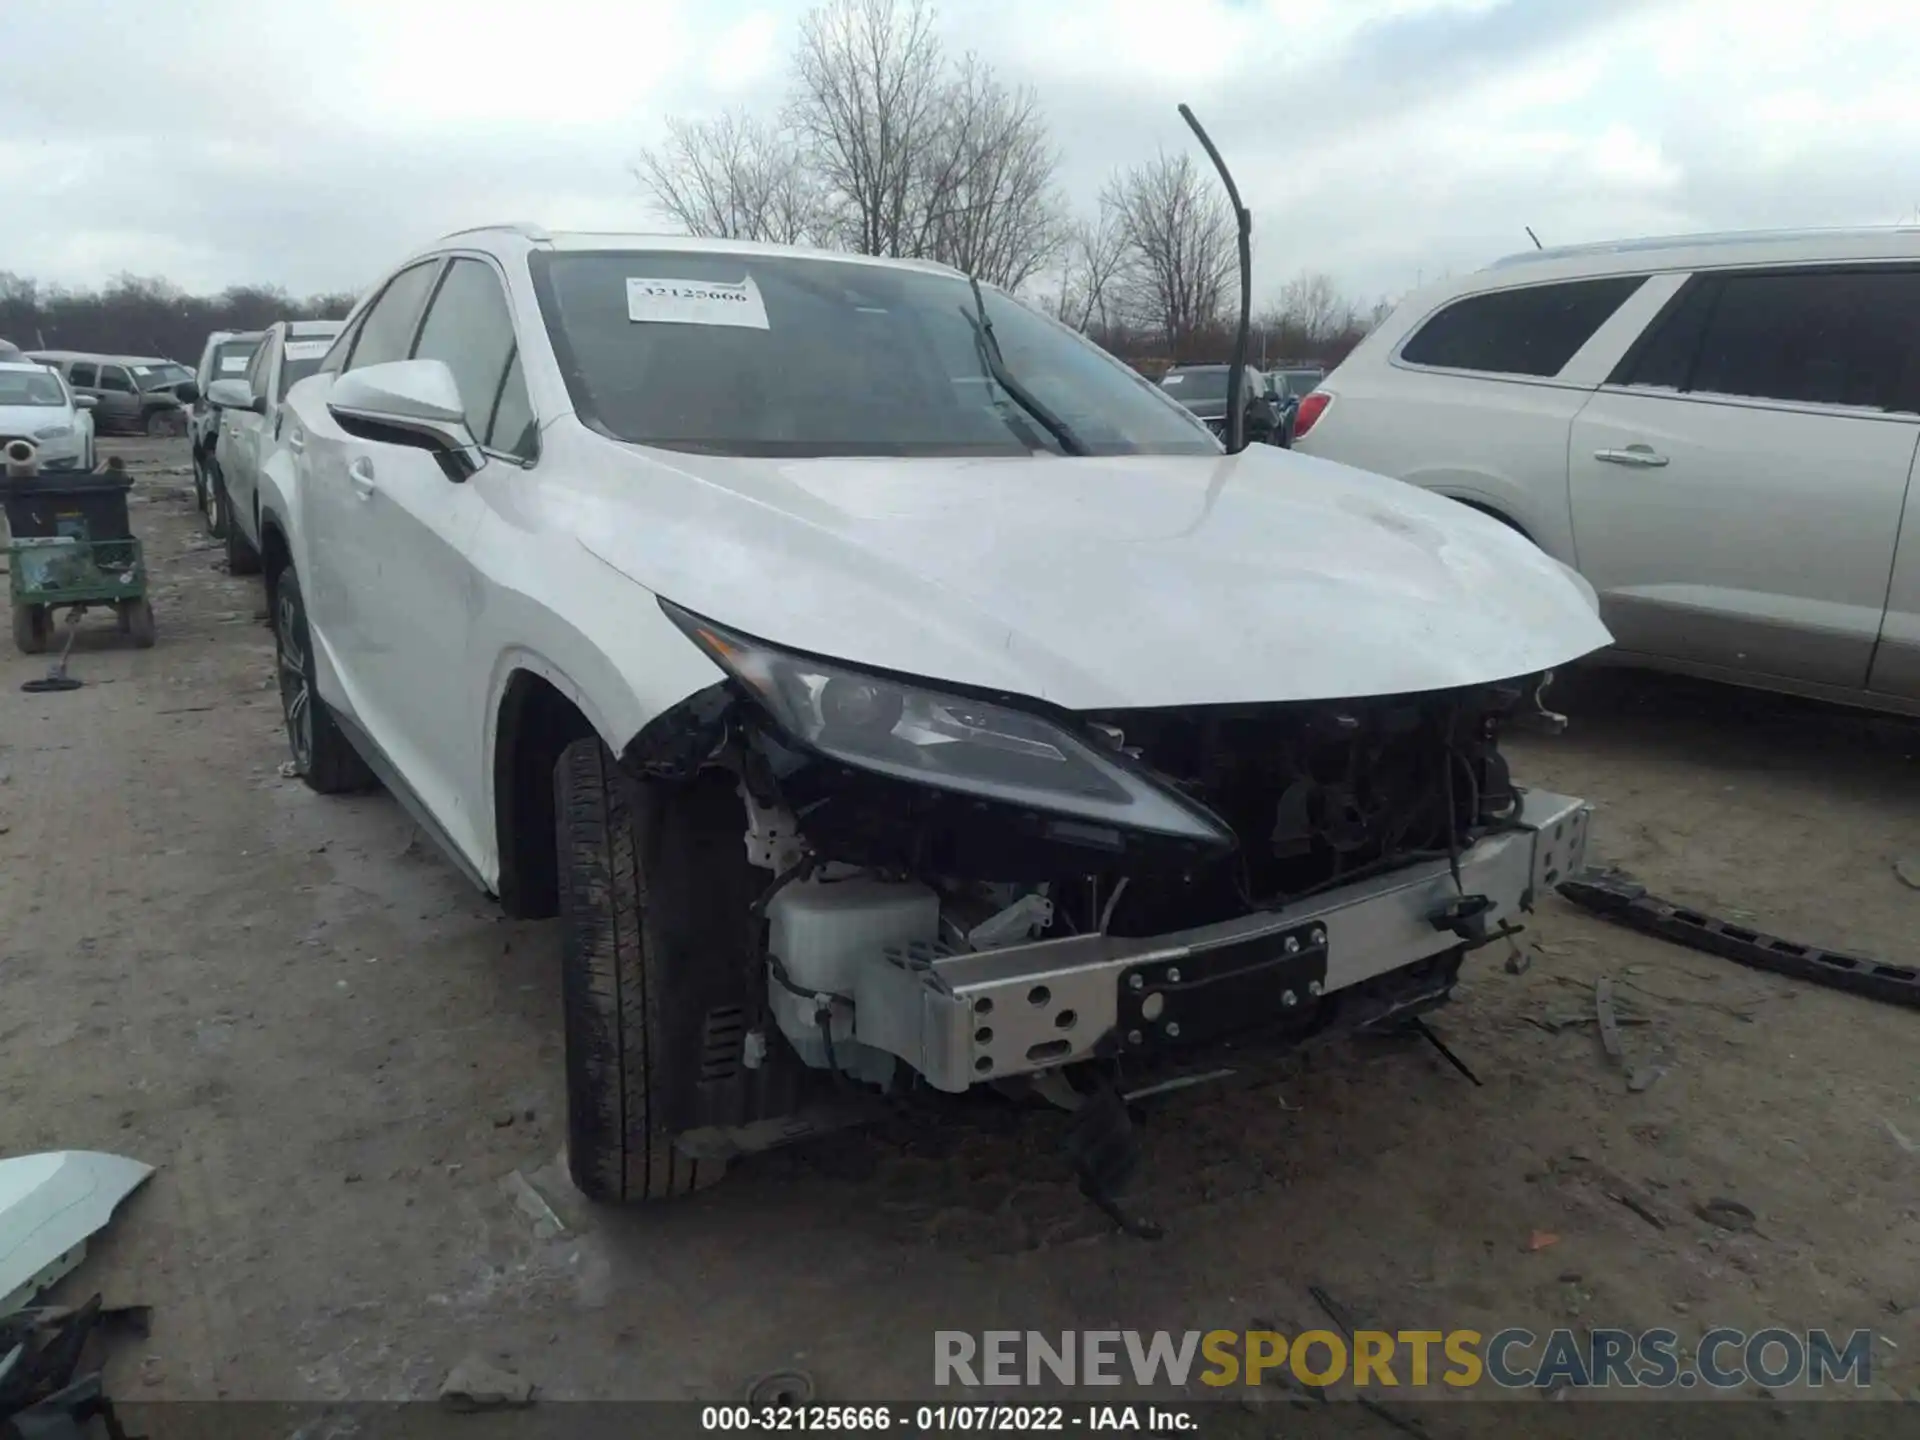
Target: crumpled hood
1092 583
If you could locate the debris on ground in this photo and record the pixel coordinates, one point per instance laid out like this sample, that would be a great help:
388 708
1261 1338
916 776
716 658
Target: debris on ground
779 1388
1603 1013
1518 961
1333 1310
289 770
1727 1214
1626 1195
1902 1141
50 1205
1907 867
1541 1239
477 1383
1644 1077
531 1203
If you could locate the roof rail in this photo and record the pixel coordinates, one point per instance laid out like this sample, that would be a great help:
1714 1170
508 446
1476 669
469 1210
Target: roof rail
519 227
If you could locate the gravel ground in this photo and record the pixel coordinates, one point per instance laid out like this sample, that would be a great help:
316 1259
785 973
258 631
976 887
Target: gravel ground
334 1051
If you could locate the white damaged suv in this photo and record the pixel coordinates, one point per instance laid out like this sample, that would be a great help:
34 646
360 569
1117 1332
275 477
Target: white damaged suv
885 686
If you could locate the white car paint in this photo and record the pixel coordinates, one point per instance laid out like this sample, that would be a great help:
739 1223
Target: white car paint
1083 582
62 434
1766 542
50 1204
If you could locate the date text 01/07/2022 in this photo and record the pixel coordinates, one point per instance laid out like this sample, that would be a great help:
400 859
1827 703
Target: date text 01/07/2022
949 1419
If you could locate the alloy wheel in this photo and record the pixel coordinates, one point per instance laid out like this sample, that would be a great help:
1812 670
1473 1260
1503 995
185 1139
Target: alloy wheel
296 696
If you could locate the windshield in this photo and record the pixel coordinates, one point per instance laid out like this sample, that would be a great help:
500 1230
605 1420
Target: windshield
30 387
230 359
789 356
1209 383
1300 382
160 377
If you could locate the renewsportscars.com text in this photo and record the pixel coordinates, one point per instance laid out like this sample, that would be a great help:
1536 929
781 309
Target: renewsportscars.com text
1514 1359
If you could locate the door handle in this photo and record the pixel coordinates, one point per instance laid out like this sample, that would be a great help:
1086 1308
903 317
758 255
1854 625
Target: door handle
1637 457
360 475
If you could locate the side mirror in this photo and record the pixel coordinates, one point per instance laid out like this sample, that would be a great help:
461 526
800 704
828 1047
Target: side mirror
230 395
409 402
85 402
187 391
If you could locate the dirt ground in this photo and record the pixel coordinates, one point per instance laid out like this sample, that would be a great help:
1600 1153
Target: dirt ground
333 1050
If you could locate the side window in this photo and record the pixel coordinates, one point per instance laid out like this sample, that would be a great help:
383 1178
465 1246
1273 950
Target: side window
387 331
115 377
84 374
469 329
335 360
256 372
1663 357
1832 337
1531 331
512 430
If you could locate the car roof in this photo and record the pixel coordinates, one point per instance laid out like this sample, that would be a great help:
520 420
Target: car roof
619 240
1689 252
7 362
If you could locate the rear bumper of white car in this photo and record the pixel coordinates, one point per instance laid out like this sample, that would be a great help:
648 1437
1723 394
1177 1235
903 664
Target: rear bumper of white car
966 1019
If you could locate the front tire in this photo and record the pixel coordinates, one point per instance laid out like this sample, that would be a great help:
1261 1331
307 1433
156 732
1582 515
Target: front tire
200 497
157 425
654 893
322 755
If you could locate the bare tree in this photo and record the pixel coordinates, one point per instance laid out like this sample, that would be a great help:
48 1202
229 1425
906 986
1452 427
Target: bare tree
1178 234
734 177
1313 305
986 199
869 110
1092 256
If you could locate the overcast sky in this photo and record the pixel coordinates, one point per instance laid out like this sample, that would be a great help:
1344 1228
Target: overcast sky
310 144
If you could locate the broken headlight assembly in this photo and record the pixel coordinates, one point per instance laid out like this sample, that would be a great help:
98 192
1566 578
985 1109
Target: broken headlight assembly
901 729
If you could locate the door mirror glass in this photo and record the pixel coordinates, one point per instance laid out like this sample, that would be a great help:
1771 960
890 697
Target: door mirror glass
408 402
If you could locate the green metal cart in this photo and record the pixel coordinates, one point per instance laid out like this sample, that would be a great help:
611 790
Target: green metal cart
71 548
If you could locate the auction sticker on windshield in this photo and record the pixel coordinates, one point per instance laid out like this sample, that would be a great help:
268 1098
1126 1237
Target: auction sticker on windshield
697 302
308 349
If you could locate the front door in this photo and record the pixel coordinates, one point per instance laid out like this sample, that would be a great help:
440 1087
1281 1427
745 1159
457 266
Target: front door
119 401
1737 485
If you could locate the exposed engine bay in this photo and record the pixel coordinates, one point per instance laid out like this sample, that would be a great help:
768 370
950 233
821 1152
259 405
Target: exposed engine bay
984 890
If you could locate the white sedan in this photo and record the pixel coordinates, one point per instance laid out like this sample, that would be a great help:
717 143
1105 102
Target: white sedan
36 406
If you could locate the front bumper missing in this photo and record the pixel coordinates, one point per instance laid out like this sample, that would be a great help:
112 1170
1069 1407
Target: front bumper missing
961 1020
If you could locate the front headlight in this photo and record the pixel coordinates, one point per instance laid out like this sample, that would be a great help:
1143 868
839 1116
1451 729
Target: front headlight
949 742
53 432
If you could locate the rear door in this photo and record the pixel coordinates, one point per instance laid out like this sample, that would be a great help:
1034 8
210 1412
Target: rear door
1737 484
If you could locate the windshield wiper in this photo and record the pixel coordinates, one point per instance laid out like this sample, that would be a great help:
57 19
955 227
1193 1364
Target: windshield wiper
990 356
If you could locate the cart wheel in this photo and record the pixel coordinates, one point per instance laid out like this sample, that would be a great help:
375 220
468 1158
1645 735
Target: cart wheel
136 618
32 628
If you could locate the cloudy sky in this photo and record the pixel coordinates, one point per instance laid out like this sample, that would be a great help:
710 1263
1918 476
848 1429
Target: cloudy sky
1384 141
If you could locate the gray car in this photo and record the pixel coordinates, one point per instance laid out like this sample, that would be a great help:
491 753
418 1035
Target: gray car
132 395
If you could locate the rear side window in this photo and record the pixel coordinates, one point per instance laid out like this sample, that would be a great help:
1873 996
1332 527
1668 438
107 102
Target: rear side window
84 373
1533 331
387 332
